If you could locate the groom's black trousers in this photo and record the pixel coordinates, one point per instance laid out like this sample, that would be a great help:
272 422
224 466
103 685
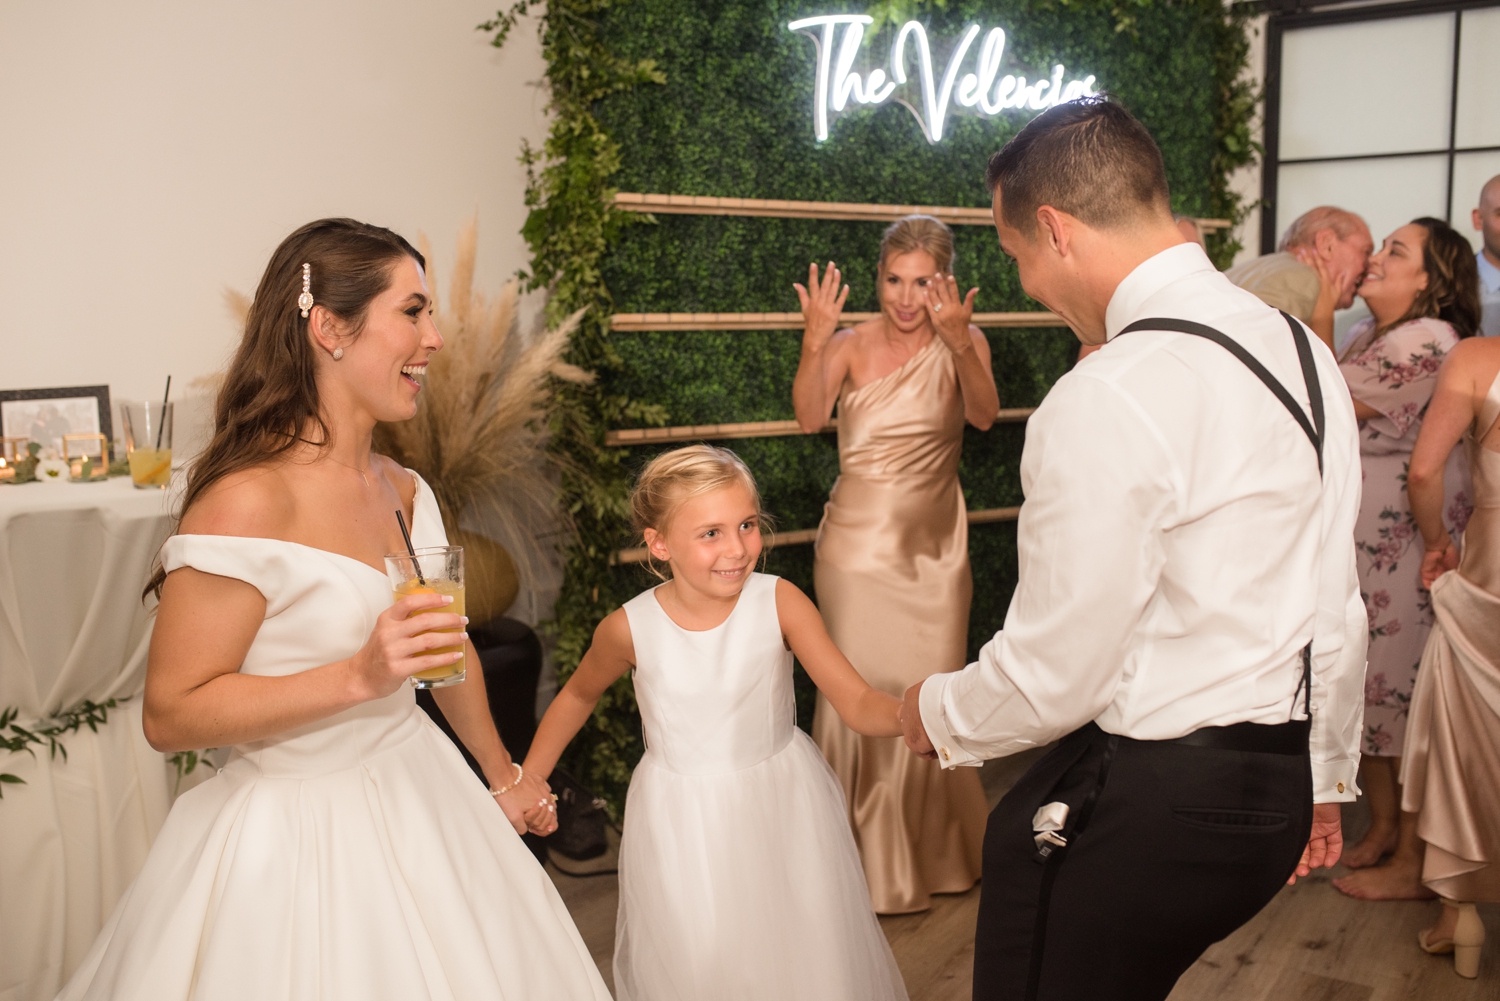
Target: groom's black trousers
1171 847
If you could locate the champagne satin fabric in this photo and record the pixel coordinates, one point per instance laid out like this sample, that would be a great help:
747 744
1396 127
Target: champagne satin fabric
893 584
1451 768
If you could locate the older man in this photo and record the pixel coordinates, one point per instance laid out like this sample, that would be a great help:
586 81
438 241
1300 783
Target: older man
1287 280
1487 221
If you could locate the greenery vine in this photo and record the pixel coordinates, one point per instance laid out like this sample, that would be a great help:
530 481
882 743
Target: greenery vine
1235 115
47 733
570 225
746 80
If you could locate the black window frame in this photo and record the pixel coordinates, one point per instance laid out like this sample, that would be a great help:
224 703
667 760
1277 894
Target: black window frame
1281 21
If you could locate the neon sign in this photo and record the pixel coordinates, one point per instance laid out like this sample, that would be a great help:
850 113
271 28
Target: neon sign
928 98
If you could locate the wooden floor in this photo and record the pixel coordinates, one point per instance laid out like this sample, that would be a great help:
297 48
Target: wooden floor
1310 944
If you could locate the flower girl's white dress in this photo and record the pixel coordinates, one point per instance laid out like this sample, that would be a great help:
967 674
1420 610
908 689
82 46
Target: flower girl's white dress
353 858
739 878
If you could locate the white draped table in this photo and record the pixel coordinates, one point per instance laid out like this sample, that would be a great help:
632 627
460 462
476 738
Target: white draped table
73 560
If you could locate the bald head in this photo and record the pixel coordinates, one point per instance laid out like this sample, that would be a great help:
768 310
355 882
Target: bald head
1340 238
1489 195
1487 218
1303 232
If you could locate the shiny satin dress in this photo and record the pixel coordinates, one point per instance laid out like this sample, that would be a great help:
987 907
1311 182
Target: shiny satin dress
1451 769
893 584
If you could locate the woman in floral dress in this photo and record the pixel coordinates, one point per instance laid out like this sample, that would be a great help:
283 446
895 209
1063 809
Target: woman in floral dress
1422 291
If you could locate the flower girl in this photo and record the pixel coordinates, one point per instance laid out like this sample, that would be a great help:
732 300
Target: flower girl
739 878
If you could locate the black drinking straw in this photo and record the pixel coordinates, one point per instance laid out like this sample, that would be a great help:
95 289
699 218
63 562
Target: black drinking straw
161 425
401 520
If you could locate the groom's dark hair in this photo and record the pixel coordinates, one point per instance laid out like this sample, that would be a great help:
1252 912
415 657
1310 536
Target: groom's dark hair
1089 158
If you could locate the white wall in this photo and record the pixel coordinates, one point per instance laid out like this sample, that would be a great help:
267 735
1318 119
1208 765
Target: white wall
155 152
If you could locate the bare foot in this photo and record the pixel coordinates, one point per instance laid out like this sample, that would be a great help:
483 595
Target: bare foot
1396 880
1374 846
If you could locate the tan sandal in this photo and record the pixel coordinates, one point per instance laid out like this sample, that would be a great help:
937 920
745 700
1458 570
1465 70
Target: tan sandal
1436 947
1468 941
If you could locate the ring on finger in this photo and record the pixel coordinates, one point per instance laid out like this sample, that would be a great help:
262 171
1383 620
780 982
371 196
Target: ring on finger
937 307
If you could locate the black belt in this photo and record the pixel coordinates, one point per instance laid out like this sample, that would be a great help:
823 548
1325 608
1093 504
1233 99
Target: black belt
1265 738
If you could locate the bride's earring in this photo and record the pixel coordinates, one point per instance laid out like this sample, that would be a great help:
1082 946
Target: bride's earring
338 353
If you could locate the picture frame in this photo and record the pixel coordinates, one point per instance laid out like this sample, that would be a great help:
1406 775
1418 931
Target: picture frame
54 412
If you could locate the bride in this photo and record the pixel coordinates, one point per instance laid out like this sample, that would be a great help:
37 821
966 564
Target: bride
345 851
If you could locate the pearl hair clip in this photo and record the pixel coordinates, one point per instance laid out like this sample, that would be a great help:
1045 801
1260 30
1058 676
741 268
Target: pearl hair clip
305 300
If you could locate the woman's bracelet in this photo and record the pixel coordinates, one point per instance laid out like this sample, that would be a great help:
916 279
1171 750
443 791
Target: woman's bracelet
505 789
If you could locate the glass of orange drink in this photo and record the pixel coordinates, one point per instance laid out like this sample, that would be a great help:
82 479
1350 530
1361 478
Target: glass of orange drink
148 443
435 570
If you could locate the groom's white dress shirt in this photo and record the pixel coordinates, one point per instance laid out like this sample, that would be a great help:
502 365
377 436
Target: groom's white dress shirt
1177 547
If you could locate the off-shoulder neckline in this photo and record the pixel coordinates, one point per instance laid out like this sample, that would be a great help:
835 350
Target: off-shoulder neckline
323 552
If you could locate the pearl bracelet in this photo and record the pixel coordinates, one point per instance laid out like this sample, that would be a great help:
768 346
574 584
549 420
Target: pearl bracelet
519 776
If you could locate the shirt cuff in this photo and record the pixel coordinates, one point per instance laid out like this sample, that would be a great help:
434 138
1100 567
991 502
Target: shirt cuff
930 700
1334 781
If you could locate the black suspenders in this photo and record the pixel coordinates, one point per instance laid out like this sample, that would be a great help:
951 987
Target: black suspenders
1313 429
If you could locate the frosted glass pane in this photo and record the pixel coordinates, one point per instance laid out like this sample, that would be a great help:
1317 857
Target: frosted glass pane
1470 171
1372 87
1387 193
1478 84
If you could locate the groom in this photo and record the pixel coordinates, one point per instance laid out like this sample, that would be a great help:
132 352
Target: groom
1186 572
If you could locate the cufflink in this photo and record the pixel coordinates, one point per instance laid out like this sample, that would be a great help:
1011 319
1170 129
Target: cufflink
944 752
1341 787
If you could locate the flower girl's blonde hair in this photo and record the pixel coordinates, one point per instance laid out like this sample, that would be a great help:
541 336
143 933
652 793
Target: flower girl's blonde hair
673 477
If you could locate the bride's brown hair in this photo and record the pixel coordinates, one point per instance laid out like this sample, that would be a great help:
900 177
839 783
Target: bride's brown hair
269 402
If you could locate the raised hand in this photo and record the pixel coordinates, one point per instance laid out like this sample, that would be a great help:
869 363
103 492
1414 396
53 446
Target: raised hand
950 314
394 651
1330 289
822 304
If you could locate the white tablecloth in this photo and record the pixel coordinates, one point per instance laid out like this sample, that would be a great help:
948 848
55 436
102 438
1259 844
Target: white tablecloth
73 560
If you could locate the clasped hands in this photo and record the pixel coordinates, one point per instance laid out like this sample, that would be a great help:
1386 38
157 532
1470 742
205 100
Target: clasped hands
529 805
912 730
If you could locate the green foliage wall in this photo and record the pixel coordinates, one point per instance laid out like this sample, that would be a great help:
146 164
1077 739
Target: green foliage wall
733 117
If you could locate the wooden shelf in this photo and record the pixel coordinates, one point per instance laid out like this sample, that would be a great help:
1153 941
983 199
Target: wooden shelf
803 536
794 321
750 429
780 209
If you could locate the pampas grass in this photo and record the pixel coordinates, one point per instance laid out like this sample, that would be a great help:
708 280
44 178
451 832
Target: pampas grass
479 435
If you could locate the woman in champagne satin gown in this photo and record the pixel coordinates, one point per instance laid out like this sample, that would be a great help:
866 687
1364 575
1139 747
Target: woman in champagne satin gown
892 558
1451 768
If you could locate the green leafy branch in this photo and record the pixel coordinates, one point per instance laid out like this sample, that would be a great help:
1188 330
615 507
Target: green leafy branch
47 733
186 762
571 223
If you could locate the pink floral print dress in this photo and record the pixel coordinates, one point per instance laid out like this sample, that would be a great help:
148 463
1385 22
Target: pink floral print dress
1396 374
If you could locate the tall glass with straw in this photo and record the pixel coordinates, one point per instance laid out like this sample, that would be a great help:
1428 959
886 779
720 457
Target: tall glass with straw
433 570
148 441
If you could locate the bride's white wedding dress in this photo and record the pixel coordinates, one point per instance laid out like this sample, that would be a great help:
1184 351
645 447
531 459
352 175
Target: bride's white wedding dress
353 858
